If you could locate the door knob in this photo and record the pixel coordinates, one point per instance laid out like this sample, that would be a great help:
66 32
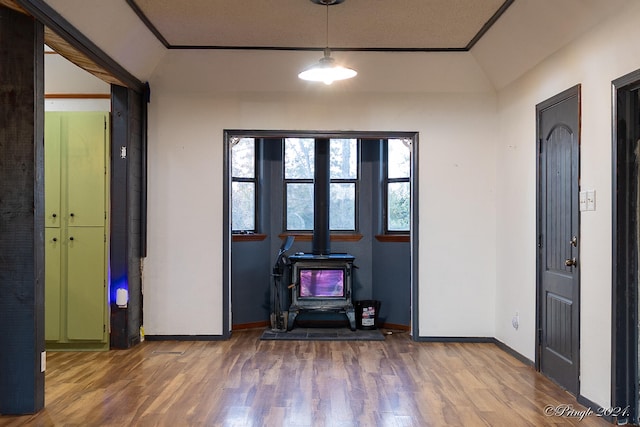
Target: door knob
570 262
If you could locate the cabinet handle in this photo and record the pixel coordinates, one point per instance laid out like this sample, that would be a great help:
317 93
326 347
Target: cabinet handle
55 239
54 215
71 238
71 214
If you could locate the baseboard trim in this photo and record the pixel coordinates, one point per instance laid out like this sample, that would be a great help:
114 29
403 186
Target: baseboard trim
514 353
251 325
186 337
396 326
612 415
457 339
485 340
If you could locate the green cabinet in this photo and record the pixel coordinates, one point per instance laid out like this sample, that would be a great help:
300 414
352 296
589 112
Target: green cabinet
76 228
52 293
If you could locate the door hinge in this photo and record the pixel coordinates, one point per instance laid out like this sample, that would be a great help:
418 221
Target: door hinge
539 336
105 238
540 241
104 328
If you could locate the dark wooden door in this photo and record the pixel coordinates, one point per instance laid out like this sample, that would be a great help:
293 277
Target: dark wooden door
558 245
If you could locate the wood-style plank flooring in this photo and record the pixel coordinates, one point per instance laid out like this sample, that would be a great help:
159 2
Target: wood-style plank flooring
248 382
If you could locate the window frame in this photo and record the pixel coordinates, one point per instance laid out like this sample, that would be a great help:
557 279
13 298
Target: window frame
385 190
256 186
355 181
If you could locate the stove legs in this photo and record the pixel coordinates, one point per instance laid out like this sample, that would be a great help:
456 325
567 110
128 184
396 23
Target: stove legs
351 315
349 312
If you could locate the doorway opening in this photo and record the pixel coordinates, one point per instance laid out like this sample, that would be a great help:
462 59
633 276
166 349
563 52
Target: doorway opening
626 241
360 226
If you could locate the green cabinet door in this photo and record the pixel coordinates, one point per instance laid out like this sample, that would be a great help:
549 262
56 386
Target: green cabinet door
52 166
85 135
86 303
52 291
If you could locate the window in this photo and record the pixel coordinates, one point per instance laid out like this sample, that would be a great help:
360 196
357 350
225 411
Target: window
343 185
243 185
398 186
299 168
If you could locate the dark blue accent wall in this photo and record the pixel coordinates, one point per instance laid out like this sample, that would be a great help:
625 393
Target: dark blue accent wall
392 281
250 287
383 268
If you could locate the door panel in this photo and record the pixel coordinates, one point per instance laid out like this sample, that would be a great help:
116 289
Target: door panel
558 258
85 283
52 170
85 136
52 290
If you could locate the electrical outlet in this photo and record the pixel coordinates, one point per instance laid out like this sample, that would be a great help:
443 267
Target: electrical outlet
515 321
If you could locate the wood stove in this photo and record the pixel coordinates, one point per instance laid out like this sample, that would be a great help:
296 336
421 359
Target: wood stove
321 283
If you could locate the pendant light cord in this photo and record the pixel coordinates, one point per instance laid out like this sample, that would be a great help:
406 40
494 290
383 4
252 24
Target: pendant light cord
327 26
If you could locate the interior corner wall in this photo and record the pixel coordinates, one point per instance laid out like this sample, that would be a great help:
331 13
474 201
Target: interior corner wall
604 54
183 274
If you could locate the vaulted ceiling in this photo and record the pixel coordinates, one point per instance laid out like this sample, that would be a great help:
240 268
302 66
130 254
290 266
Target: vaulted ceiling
397 45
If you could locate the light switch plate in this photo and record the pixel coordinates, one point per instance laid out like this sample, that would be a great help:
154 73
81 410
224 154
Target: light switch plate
583 201
591 200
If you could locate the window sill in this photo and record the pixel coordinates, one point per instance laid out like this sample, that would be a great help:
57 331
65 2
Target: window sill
248 237
307 237
393 237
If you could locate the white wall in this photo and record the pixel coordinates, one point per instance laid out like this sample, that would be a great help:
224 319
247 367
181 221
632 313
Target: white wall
183 271
62 77
604 54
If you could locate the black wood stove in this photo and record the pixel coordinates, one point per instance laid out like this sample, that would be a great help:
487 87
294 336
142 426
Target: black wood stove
321 284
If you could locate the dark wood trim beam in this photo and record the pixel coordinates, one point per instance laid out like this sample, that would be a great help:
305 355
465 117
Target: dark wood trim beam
488 24
60 26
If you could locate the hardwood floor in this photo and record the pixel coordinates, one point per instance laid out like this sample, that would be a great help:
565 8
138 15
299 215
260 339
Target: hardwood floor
248 382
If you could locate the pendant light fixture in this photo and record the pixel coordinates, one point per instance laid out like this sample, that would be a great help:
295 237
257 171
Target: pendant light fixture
326 70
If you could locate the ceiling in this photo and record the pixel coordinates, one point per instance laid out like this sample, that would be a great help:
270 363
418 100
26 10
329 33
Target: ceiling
426 25
397 46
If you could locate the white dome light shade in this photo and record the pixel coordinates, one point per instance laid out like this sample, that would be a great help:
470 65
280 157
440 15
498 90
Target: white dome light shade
327 71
